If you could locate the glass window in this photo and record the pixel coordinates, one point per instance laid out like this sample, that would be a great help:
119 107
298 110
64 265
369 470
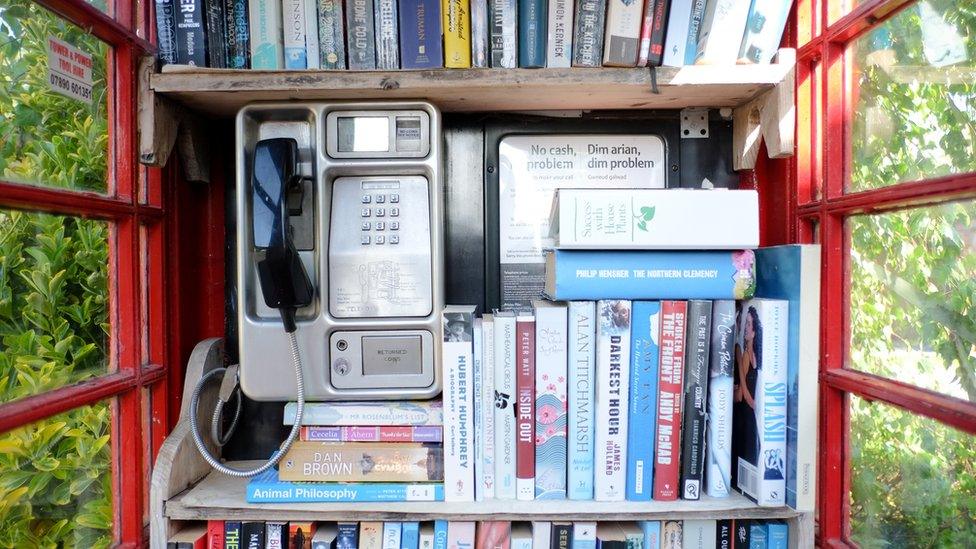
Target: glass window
913 296
46 137
56 481
913 479
914 110
53 302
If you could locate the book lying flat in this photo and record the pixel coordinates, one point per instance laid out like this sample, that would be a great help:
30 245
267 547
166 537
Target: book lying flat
267 488
421 412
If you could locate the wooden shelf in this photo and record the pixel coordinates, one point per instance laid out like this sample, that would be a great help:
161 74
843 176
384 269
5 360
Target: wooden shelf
222 497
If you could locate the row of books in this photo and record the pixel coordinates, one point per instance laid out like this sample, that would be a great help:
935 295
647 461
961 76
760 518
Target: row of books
441 534
425 34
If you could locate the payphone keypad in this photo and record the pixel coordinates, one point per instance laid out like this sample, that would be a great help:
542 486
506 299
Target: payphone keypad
380 232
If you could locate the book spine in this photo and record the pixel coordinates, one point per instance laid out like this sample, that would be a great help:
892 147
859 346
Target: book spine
668 441
622 35
387 41
652 534
409 535
420 34
671 534
440 534
252 535
347 535
771 400
391 535
505 431
541 534
479 34
764 31
370 535
562 535
699 534
694 28
658 29
643 400
676 33
288 492
457 33
386 433
721 32
361 462
742 533
612 390
493 535
458 402
588 38
584 535
504 34
777 535
476 388
532 32
267 51
525 385
232 534
293 23
487 403
582 369
166 31
550 402
275 535
361 37
758 537
718 468
559 46
216 34
403 413
238 52
460 534
695 397
312 50
215 533
725 534
332 37
426 539
647 23
191 40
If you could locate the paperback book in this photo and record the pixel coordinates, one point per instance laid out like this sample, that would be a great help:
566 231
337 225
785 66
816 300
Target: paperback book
384 413
361 35
643 400
695 396
191 40
268 488
238 34
294 25
332 36
718 460
457 33
532 32
505 437
622 39
582 370
503 34
525 408
386 433
588 35
458 396
559 46
667 445
387 35
612 388
362 462
267 49
420 34
550 399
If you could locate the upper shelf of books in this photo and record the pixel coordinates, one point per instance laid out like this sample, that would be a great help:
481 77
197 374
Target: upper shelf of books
222 92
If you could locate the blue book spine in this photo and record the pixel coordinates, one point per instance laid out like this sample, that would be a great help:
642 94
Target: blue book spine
777 535
440 534
420 34
232 534
641 433
694 29
581 362
587 274
532 33
652 534
391 535
266 488
410 535
757 535
347 535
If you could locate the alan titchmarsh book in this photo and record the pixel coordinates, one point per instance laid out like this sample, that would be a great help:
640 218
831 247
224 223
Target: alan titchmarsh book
718 445
503 34
275 535
332 36
386 433
629 274
216 28
166 31
550 399
460 534
622 35
588 33
362 462
655 53
457 33
347 535
793 273
525 407
698 341
505 397
582 370
458 397
387 35
764 30
238 41
267 48
698 534
391 535
584 535
191 39
676 33
493 535
721 32
532 15
559 46
293 26
267 488
643 399
252 535
232 534
420 34
480 54
759 415
360 35
486 408
612 389
652 534
369 414
667 445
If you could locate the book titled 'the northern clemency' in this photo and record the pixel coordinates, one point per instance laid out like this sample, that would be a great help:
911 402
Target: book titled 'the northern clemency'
267 488
420 412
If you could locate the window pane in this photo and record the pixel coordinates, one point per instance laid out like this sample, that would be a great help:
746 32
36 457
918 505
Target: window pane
56 481
53 302
915 110
47 138
913 286
913 480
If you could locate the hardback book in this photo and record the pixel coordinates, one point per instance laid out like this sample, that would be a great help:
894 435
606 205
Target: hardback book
588 36
559 29
532 15
522 535
718 458
477 376
215 533
385 433
581 362
671 534
759 415
550 399
694 28
294 26
645 219
312 47
268 488
609 535
642 415
191 39
332 36
420 34
525 406
347 535
216 28
639 274
252 535
667 445
777 534
480 55
409 535
622 36
410 413
743 533
698 341
505 387
267 47
647 24
652 534
300 534
612 389
232 534
758 536
275 535
363 462
460 534
370 535
541 534
325 537
391 535
793 273
764 30
238 32
387 35
426 539
721 32
360 35
584 535
633 534
458 396
698 534
725 534
440 534
486 407
503 34
457 33
192 537
676 33
166 31
655 54
561 536
494 534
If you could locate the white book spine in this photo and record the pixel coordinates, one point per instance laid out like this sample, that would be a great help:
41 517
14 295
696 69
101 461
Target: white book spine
807 395
460 535
504 406
582 370
457 356
550 400
294 25
584 535
675 39
426 540
391 535
699 534
721 32
621 42
487 402
477 380
612 390
480 53
718 465
312 54
541 534
559 47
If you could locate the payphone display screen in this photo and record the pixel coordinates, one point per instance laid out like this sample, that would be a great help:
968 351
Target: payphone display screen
363 133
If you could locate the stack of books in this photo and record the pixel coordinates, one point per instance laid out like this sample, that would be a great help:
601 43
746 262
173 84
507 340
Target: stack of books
427 34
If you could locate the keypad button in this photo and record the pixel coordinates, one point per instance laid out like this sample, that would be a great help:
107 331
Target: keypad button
366 226
394 225
394 239
394 198
380 199
380 226
394 212
366 212
365 240
379 239
380 212
367 199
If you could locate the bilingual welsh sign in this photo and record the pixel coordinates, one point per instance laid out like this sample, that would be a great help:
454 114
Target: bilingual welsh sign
532 167
69 70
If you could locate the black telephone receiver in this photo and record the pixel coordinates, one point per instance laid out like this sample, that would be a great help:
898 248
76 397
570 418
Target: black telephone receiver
284 281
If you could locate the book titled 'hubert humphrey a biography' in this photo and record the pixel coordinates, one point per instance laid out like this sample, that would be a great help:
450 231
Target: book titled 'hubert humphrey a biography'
457 352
